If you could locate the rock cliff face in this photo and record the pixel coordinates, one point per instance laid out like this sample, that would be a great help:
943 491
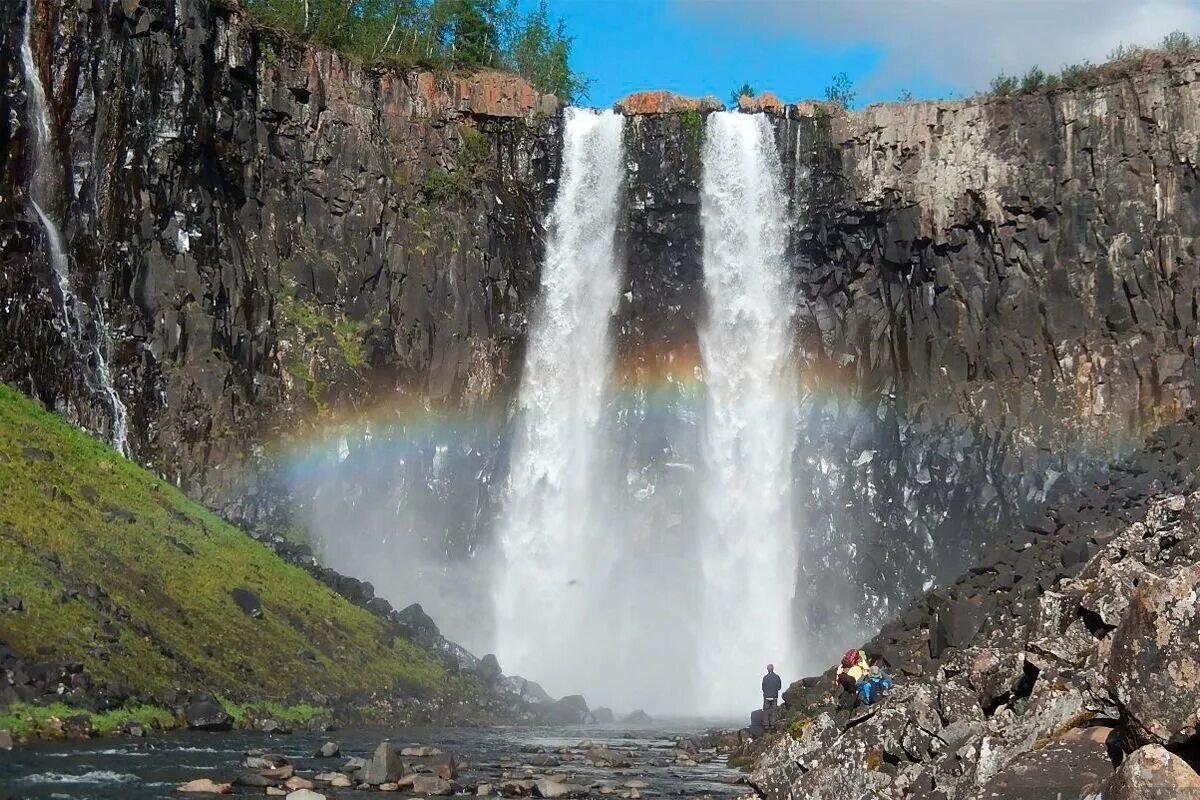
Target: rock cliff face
273 233
1000 293
992 296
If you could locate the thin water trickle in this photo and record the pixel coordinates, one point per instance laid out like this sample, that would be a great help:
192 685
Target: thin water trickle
548 533
748 547
42 197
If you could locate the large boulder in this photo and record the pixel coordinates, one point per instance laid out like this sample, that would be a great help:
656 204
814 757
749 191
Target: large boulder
248 602
955 624
1154 665
418 625
569 710
1061 768
488 670
384 766
205 713
431 785
1153 773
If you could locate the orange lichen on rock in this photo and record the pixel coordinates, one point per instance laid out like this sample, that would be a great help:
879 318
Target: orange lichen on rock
766 101
664 102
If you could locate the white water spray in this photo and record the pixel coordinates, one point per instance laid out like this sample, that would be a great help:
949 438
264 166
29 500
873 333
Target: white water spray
748 548
548 534
41 197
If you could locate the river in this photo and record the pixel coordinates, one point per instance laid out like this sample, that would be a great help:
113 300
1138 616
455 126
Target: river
140 769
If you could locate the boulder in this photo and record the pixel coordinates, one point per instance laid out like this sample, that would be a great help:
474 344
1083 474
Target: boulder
516 787
305 794
419 751
419 626
1060 768
431 785
1152 773
488 670
384 766
638 717
558 786
605 757
204 713
955 624
570 710
204 786
328 750
1154 665
248 602
296 782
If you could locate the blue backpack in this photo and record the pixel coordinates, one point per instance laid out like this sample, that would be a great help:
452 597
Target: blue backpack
872 688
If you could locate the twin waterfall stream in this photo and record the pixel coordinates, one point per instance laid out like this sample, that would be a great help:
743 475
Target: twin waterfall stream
571 611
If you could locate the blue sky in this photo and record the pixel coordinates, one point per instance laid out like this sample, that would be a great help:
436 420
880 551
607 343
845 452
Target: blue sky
932 48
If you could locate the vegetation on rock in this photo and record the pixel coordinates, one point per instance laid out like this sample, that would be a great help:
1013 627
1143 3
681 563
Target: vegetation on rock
436 34
1123 60
120 572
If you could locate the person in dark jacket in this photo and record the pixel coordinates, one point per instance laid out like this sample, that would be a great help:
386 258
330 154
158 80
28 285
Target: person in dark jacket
771 684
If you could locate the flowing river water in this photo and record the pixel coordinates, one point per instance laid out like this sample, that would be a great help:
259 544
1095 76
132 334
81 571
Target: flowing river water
133 769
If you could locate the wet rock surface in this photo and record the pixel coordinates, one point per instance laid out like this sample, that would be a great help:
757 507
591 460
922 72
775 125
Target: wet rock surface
1045 699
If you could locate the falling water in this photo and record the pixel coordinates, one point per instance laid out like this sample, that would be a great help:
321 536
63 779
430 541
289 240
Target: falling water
41 182
548 536
748 547
42 197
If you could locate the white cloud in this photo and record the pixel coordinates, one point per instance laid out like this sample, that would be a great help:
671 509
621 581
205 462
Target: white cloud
962 42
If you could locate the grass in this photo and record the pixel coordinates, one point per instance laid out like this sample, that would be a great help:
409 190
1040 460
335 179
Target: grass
29 721
295 715
119 571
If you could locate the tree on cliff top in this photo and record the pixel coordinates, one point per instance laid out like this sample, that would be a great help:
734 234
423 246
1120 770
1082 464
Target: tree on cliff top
735 96
436 34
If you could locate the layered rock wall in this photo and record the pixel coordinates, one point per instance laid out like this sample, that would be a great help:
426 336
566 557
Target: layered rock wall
275 234
991 295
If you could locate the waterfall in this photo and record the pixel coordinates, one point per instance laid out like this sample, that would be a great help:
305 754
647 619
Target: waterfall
748 547
41 182
548 534
42 195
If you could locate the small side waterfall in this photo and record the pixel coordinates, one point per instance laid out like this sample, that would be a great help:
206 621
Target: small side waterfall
749 548
548 534
42 197
41 181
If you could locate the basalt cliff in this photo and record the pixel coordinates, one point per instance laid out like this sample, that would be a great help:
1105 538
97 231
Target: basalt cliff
994 297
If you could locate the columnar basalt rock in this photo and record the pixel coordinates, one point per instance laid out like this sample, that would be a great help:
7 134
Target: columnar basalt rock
993 295
278 234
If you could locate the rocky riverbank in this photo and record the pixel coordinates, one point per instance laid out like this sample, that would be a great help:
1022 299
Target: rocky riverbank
625 767
1063 666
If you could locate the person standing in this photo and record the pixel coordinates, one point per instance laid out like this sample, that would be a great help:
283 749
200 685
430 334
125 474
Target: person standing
771 684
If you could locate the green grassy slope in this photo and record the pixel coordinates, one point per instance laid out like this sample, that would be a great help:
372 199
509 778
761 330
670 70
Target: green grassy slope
75 516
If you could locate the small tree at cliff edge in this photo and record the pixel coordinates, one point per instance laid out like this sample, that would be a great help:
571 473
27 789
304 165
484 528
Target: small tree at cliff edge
736 94
840 91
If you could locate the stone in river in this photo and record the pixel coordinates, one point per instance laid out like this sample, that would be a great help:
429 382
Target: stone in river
329 750
204 786
558 786
431 785
305 794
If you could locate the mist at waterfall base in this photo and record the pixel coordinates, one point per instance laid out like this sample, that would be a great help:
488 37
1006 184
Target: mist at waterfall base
631 541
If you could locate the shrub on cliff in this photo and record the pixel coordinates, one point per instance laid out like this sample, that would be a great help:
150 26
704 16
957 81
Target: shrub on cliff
436 34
